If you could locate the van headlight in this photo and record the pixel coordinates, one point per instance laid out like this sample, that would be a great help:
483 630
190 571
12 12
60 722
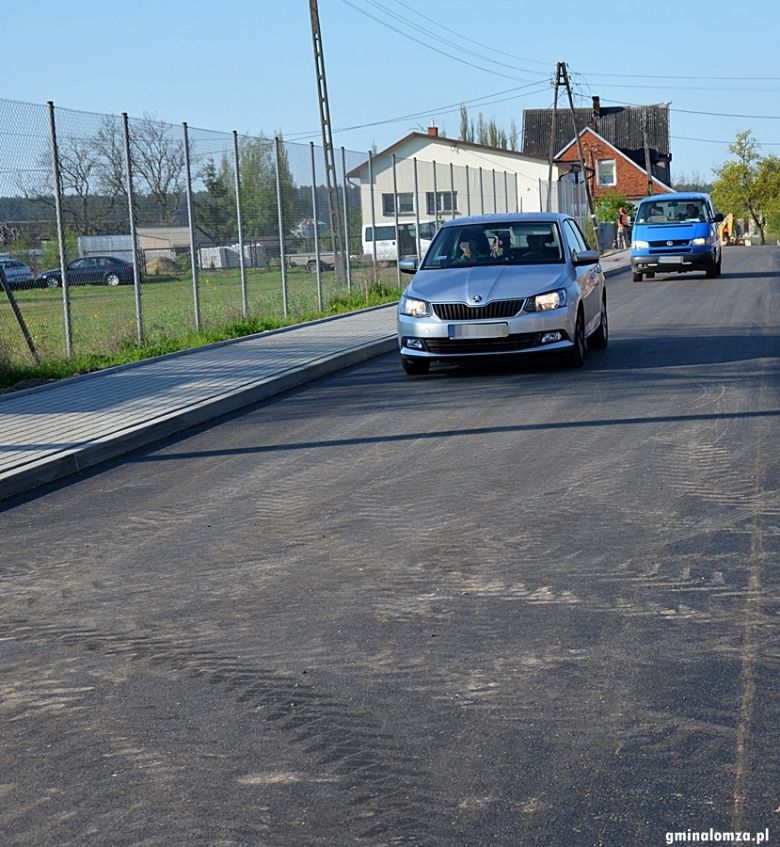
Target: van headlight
698 242
640 245
547 301
413 308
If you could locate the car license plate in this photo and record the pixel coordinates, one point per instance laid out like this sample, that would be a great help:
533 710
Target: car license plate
500 330
669 260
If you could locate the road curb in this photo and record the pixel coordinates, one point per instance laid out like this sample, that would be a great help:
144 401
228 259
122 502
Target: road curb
52 468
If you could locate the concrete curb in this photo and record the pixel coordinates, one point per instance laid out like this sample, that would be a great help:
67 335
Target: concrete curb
53 468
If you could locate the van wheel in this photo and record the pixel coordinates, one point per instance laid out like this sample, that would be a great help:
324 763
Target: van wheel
637 277
713 271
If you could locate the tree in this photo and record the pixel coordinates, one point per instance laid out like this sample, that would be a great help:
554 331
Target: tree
608 207
158 165
694 182
750 185
487 132
215 210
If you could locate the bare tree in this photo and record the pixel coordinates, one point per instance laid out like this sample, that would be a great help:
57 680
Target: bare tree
158 162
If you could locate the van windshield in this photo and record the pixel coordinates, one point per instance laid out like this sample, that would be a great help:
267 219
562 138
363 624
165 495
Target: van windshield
670 211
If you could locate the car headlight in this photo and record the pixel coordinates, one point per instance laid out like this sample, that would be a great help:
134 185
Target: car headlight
547 301
640 245
413 308
698 242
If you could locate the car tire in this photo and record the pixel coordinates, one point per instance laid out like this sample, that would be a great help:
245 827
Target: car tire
713 271
600 338
51 282
113 280
636 276
415 367
311 267
575 358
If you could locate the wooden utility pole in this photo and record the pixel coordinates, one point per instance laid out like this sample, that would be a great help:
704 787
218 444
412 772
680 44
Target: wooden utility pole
648 165
331 180
553 129
563 74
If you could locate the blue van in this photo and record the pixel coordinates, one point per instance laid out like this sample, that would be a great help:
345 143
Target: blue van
675 233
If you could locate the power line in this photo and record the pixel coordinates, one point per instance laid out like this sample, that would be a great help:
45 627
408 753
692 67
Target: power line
430 46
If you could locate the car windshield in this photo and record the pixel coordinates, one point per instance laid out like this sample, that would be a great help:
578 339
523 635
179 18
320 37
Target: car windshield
670 211
512 243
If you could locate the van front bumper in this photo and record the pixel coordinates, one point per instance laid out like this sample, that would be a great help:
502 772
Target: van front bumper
672 263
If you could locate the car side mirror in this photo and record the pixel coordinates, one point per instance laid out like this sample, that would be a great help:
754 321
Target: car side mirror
408 265
585 257
718 218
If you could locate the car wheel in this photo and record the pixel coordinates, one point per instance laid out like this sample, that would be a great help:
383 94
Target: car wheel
637 277
52 282
575 358
311 267
600 338
713 271
415 367
113 280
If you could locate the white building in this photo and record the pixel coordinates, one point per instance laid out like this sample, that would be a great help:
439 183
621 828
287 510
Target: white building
436 178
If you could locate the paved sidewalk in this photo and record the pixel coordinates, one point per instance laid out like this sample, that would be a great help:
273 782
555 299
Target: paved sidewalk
57 429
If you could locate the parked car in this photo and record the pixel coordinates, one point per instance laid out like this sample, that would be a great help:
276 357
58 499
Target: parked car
503 285
17 274
91 270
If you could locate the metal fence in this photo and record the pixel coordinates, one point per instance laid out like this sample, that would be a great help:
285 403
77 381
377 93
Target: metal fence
218 227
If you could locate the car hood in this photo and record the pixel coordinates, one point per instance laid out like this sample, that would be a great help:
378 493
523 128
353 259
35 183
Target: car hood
671 231
503 282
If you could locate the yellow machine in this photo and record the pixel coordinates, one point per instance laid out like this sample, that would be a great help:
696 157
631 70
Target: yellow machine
726 230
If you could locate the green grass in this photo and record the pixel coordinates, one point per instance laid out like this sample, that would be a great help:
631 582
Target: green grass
104 326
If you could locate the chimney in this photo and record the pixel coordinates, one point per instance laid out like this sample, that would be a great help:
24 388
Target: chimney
433 131
596 112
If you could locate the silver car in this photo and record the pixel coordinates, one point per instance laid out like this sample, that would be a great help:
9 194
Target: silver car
503 285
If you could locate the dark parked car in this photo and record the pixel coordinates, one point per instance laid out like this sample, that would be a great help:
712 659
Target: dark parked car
17 274
91 270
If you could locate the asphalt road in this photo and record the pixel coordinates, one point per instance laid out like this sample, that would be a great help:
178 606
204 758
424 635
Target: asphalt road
509 606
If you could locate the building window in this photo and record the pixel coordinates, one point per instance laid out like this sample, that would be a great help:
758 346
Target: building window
405 204
442 201
607 172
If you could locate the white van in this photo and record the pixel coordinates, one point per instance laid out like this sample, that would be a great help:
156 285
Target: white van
388 247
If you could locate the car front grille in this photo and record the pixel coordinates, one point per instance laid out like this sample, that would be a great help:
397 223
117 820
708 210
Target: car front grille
475 346
685 242
463 312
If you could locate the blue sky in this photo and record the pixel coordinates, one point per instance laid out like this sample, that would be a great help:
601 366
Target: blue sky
397 65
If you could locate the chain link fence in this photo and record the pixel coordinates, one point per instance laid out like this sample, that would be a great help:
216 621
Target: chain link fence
117 230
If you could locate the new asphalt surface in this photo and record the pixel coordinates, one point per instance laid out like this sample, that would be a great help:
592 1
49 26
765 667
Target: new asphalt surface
55 430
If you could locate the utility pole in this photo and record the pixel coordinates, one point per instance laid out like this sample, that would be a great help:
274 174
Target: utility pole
648 166
331 180
553 129
564 76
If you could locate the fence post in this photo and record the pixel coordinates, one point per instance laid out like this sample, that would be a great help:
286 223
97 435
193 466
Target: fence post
468 191
397 231
452 191
346 218
518 201
139 315
506 191
239 223
417 212
495 195
373 207
481 192
435 197
282 252
193 243
315 215
55 157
